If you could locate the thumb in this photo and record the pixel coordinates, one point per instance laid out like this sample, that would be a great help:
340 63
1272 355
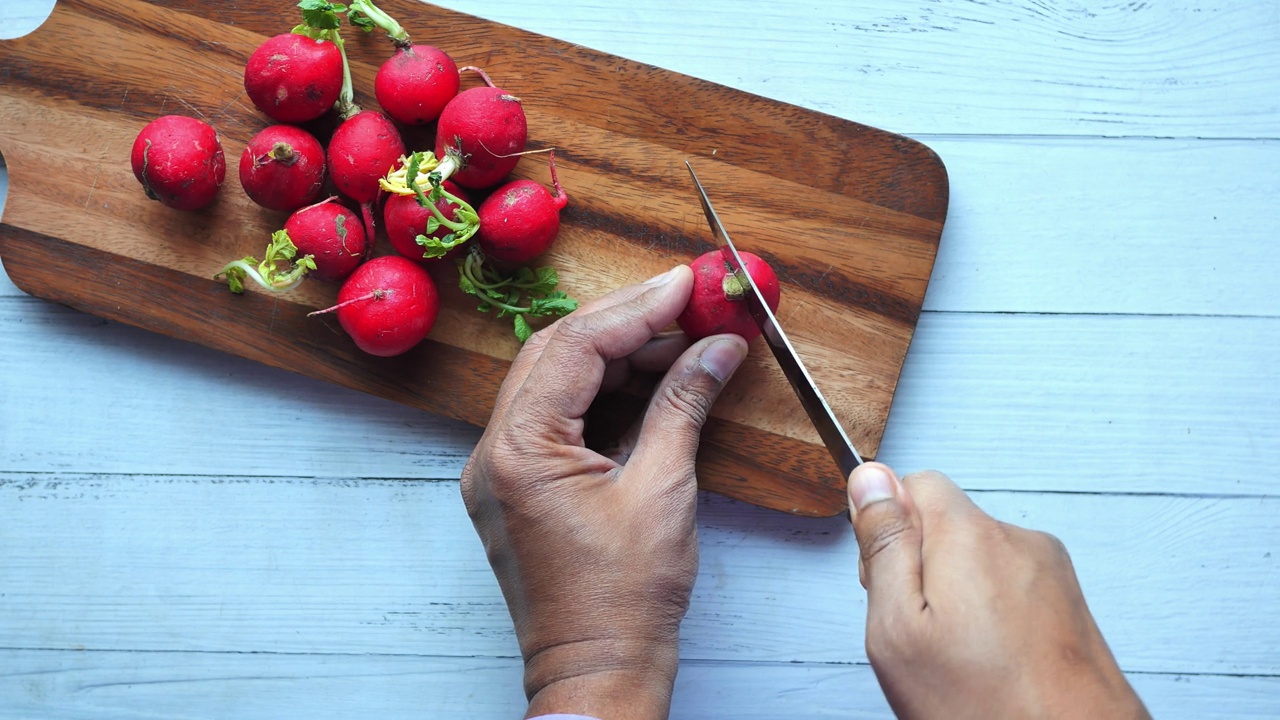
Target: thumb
682 401
889 539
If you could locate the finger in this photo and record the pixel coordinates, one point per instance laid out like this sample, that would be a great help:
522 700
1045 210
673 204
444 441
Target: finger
889 540
654 356
532 351
672 425
566 375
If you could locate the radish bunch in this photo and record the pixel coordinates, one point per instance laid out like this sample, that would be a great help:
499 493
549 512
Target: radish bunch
386 304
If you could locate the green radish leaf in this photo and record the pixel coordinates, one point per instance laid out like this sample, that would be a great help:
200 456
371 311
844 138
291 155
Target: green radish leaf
465 283
321 15
360 20
236 275
523 331
432 224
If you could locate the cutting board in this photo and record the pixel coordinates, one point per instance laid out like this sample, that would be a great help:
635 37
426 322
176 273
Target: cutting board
848 215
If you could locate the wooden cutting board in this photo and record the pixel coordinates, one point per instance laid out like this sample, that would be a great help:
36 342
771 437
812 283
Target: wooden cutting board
849 216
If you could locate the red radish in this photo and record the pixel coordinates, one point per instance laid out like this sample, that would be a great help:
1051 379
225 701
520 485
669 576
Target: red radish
282 168
294 78
179 162
332 235
519 221
415 84
484 129
405 219
387 306
717 304
364 149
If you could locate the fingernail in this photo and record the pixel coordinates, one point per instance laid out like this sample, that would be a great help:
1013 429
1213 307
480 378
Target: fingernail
662 279
722 357
870 483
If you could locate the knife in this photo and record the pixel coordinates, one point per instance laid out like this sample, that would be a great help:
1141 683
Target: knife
832 433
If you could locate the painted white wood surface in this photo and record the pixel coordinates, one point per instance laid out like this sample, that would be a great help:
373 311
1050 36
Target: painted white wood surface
392 567
1080 403
1098 360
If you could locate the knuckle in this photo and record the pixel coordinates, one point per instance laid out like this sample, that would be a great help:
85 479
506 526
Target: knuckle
688 402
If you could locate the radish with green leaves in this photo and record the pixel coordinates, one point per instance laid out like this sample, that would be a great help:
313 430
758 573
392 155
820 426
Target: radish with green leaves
717 304
416 83
520 220
331 235
367 145
426 217
298 76
280 270
282 168
480 136
179 162
387 306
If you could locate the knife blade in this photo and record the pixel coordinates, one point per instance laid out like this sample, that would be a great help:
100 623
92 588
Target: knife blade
815 405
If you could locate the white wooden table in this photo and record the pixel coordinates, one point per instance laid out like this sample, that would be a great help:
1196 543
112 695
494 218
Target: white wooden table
184 534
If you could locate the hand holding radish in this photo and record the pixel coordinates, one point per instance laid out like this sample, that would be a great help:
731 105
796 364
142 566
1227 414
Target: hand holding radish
599 634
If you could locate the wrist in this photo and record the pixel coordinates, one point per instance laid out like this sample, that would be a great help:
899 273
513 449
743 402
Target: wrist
606 679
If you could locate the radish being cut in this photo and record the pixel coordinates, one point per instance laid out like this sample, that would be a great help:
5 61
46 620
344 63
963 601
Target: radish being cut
298 76
414 84
282 168
483 130
718 305
432 230
520 220
331 235
387 306
179 161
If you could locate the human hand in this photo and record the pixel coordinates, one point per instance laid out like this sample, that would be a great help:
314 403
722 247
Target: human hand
596 555
968 617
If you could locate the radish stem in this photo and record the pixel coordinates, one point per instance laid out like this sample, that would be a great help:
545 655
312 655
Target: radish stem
483 75
371 295
378 17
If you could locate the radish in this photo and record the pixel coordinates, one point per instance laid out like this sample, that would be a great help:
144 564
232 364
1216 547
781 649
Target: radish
269 273
367 145
415 84
430 230
519 221
332 235
387 306
364 149
282 168
298 76
483 130
717 304
179 162
406 222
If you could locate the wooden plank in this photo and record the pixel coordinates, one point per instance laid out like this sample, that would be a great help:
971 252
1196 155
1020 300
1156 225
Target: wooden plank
64 685
1098 225
297 565
1181 68
1073 403
853 241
